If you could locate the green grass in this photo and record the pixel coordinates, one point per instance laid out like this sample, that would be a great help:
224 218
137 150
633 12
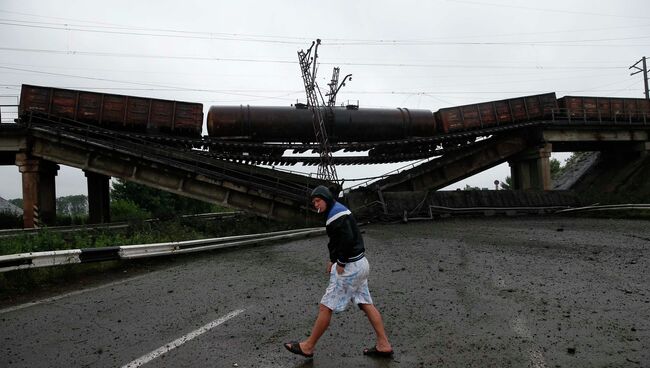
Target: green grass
138 233
18 282
47 240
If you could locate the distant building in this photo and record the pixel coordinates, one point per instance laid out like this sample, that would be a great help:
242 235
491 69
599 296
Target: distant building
8 207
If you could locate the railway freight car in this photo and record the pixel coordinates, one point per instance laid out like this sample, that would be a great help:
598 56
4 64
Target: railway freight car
294 123
613 109
493 113
112 111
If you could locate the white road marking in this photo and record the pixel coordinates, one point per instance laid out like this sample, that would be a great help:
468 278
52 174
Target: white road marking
181 340
536 358
58 297
519 326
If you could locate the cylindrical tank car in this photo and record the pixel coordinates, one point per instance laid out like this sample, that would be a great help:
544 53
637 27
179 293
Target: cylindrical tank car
294 123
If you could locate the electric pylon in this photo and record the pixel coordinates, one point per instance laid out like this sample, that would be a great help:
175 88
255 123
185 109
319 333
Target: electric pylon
322 112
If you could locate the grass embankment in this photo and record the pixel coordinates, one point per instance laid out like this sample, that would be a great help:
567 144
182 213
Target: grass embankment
138 233
17 282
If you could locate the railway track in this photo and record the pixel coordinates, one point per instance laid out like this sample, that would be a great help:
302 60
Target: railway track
258 153
274 154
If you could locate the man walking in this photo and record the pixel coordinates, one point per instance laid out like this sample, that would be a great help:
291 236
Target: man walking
348 269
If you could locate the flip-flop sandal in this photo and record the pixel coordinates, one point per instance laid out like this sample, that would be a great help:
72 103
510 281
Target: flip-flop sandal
376 353
294 347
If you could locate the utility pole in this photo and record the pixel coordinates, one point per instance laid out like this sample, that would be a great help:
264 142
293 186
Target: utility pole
321 111
645 74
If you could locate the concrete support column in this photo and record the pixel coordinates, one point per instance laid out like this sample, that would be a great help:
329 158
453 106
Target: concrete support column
39 190
532 169
98 198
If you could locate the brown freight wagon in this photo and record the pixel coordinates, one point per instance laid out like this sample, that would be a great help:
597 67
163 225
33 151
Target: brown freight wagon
118 112
493 113
605 108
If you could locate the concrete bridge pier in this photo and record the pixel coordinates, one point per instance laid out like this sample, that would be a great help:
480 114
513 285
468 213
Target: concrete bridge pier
39 190
98 198
531 170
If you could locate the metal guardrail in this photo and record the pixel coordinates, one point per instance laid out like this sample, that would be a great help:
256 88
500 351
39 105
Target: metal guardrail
486 211
609 207
150 250
108 226
471 210
73 256
39 259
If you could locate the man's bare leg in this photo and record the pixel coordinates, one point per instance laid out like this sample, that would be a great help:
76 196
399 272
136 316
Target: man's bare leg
320 326
377 323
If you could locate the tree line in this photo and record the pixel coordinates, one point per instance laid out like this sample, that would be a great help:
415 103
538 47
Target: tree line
131 201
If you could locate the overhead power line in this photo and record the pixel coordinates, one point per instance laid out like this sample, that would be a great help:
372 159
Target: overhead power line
278 61
239 37
561 11
227 92
562 42
186 35
96 25
105 25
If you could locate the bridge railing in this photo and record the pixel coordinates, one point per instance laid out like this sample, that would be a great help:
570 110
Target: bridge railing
600 116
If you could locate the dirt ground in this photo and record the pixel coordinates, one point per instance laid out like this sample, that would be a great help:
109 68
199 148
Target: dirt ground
460 292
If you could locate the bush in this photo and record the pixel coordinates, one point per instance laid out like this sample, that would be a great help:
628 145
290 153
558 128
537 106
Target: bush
43 241
24 281
158 203
10 221
125 210
67 220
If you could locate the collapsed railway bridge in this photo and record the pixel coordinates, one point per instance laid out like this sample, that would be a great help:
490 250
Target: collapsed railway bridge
159 143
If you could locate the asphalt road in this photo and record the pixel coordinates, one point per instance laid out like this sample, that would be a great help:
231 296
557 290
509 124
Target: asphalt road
485 292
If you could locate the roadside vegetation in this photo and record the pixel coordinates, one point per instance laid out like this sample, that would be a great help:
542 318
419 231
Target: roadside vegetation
140 232
17 282
135 204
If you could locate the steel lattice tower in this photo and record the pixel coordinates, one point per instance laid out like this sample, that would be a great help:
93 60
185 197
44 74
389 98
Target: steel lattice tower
321 112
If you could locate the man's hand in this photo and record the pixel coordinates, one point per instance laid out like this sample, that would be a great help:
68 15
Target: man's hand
329 267
339 269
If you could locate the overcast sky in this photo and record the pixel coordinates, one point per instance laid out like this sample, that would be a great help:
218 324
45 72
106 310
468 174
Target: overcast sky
407 53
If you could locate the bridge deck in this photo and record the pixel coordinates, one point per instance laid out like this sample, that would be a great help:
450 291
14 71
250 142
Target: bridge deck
265 192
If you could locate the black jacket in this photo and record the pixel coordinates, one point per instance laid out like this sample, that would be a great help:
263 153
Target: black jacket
345 240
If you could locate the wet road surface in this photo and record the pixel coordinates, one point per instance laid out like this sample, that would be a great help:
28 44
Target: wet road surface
485 292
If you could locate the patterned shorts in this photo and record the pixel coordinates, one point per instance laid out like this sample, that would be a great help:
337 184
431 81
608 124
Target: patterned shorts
352 284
